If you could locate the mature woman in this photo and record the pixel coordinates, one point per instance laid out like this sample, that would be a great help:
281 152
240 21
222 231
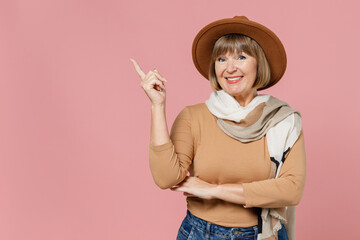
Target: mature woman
244 152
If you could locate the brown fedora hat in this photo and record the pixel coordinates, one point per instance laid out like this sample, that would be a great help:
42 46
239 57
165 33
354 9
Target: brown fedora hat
273 48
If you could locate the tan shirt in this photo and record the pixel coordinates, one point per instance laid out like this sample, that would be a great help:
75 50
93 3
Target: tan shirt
200 147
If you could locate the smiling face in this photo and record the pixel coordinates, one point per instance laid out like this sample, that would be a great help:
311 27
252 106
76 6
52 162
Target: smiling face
236 55
236 74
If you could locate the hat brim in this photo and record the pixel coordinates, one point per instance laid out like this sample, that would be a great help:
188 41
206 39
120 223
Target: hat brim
273 48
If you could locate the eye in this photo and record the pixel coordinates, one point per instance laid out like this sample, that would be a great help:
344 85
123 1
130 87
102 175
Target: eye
241 57
221 59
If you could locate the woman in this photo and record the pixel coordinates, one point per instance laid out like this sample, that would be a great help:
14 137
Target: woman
244 151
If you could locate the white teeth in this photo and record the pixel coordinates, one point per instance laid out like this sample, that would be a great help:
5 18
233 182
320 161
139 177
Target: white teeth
233 79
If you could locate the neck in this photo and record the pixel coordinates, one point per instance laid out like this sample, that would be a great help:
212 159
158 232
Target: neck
245 99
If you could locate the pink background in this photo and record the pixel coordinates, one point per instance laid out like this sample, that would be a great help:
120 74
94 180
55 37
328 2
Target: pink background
74 122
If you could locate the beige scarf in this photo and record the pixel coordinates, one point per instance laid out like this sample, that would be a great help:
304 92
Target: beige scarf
282 126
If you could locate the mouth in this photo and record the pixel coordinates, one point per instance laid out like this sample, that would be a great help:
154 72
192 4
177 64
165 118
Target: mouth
232 80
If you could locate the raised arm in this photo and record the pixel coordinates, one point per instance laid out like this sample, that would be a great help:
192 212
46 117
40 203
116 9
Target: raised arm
168 166
154 87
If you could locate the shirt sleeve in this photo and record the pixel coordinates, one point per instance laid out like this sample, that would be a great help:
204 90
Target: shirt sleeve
170 162
287 189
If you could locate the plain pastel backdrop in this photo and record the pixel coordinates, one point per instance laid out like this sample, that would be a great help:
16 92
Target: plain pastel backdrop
75 124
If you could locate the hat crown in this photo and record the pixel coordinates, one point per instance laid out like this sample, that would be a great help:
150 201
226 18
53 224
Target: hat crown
241 17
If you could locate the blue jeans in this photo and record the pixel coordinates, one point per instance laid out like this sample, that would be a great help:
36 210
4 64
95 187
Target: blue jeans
194 228
282 234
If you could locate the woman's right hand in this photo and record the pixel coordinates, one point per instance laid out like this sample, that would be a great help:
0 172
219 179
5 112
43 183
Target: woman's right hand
153 84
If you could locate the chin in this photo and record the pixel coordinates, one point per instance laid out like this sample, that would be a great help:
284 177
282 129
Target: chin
235 93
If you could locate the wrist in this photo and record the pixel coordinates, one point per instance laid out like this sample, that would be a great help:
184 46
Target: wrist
156 106
230 192
216 191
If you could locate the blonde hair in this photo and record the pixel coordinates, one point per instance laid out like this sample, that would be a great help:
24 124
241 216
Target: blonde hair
240 43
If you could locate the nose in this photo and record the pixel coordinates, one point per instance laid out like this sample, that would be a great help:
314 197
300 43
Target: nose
230 67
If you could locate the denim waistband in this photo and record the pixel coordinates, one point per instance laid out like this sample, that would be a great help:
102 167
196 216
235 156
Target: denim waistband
217 229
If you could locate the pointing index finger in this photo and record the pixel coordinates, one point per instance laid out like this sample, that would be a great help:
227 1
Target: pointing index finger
138 69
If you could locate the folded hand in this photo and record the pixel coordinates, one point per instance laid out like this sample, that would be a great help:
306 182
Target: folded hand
195 187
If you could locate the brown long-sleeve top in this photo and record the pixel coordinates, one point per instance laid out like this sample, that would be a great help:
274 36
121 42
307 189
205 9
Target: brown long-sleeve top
200 147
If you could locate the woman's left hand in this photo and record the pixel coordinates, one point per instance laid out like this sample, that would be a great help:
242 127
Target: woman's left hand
195 187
